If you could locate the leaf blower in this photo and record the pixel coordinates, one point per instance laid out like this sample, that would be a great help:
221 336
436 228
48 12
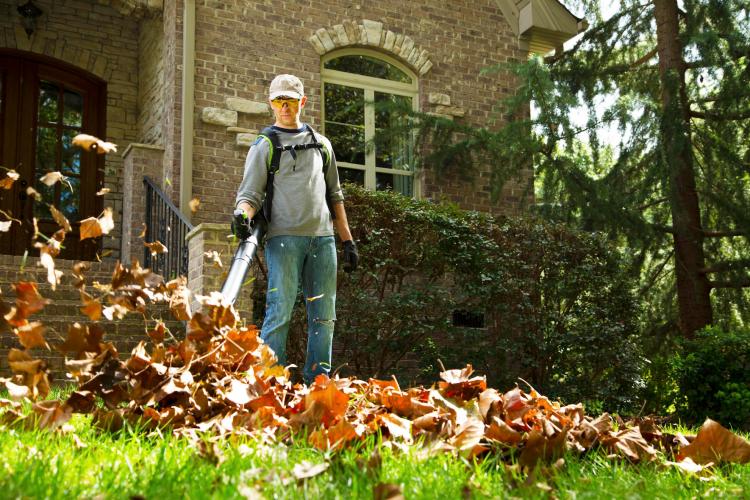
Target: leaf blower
250 233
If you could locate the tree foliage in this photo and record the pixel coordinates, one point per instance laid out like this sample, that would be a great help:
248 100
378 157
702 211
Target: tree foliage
674 187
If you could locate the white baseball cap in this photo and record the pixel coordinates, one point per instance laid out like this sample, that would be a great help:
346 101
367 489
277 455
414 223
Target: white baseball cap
286 86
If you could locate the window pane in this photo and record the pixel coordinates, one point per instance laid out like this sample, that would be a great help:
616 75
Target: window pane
344 104
71 156
49 94
46 149
72 108
352 175
348 142
368 66
48 198
403 184
70 200
393 143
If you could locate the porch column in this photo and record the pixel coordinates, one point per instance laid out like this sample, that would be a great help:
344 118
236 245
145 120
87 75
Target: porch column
205 275
140 160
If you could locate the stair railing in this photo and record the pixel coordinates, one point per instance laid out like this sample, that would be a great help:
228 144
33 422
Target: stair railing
166 224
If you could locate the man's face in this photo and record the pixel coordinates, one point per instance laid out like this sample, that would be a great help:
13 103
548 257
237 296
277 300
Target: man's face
287 111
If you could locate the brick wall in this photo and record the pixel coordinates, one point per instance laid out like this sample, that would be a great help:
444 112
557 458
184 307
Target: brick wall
102 41
240 46
151 80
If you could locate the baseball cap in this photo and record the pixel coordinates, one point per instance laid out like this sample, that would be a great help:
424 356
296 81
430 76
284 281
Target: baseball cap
286 85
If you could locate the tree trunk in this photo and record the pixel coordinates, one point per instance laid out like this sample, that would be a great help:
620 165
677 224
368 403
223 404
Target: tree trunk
693 289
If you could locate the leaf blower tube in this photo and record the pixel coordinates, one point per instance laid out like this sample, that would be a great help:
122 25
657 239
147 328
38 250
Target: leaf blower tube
250 233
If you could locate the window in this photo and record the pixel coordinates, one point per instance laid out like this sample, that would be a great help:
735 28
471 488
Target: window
43 105
354 80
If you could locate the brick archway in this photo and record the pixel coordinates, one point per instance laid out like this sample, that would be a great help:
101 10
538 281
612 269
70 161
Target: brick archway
372 34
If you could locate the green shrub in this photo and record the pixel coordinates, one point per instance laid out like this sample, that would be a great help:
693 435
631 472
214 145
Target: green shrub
557 310
713 374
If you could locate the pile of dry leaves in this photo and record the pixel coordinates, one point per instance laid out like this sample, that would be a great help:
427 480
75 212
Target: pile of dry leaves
221 380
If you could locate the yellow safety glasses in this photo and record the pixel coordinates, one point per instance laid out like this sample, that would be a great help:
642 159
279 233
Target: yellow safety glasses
279 102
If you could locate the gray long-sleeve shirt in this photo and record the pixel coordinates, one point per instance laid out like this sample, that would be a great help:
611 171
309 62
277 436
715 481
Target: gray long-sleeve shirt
299 204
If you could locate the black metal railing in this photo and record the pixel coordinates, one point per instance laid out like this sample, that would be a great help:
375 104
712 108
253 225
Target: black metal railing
165 223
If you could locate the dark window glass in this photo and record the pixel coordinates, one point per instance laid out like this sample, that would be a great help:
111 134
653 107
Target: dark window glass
344 104
352 175
72 109
46 150
368 66
348 142
393 146
403 184
71 156
49 96
69 198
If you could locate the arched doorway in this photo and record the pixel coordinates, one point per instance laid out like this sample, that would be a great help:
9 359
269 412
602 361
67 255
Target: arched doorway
44 103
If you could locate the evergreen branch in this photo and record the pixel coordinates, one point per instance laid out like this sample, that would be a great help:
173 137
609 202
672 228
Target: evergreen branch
723 234
653 203
738 283
647 57
607 27
723 116
729 265
655 275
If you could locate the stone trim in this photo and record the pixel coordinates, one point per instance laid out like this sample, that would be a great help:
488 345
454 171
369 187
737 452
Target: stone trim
372 34
137 8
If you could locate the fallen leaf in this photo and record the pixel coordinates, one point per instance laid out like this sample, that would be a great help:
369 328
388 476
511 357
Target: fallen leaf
11 176
397 427
195 203
91 307
17 392
48 262
34 193
51 178
91 143
214 257
31 335
52 414
93 227
687 465
502 432
60 219
156 247
306 470
714 444
387 491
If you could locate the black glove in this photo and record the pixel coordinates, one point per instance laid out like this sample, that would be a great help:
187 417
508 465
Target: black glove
242 225
351 257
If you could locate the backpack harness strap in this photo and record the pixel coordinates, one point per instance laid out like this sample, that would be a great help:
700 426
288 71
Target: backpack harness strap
275 151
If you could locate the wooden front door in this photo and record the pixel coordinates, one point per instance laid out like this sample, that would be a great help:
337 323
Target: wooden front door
43 105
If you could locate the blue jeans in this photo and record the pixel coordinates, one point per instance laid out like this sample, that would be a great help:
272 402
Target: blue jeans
311 259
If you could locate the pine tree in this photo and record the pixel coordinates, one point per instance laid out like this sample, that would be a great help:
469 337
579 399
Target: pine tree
675 191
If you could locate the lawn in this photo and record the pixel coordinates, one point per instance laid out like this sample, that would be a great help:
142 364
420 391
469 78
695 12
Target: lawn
84 462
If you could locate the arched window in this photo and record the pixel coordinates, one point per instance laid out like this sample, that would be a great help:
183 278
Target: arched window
352 80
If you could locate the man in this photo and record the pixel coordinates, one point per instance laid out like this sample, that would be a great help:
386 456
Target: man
298 179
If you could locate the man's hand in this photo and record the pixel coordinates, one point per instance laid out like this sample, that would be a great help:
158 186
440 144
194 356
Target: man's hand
242 225
351 257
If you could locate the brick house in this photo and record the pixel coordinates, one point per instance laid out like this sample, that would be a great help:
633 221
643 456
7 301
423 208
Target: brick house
180 86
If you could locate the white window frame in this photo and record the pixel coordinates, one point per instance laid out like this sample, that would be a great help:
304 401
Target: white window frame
370 85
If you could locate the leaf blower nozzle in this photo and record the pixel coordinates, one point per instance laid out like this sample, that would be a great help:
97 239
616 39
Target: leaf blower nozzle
250 233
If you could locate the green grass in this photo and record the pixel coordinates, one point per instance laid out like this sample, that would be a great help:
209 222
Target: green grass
41 464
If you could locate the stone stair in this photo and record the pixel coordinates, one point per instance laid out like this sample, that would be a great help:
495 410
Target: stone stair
64 310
